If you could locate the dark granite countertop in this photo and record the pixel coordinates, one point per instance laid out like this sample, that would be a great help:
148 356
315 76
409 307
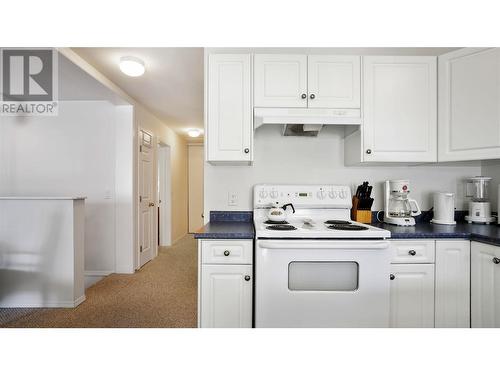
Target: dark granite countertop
228 225
477 232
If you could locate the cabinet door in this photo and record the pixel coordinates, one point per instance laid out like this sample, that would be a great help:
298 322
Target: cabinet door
469 98
229 128
412 295
334 81
485 286
280 81
452 284
400 109
226 296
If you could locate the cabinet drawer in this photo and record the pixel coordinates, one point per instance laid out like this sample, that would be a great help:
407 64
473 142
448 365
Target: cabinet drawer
413 251
226 251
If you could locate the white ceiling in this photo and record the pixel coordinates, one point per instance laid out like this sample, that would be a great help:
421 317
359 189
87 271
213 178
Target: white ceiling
171 88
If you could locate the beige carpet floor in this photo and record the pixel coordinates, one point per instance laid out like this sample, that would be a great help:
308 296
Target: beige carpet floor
163 293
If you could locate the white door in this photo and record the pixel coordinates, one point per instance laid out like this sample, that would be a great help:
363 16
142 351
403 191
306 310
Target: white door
469 98
195 182
452 284
280 81
400 109
485 285
226 296
412 296
229 127
334 81
147 241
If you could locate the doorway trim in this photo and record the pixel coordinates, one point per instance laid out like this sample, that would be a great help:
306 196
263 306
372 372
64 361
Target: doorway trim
165 194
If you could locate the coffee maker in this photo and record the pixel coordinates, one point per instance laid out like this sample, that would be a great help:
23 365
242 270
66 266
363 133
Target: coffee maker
398 208
479 205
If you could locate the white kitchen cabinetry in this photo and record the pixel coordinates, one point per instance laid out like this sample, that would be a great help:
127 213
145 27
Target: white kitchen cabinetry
399 111
469 98
301 81
452 302
225 283
485 285
412 296
228 109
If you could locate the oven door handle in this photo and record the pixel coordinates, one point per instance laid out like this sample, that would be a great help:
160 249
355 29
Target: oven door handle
347 245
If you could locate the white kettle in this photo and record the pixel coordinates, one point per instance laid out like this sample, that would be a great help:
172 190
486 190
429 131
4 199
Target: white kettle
278 213
444 208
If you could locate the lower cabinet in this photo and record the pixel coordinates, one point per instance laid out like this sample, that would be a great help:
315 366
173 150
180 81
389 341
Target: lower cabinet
412 295
485 285
225 286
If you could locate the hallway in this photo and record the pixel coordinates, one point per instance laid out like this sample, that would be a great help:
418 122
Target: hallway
162 294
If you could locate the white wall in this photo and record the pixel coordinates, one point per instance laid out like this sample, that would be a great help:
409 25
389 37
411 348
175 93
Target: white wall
491 168
196 158
72 154
303 160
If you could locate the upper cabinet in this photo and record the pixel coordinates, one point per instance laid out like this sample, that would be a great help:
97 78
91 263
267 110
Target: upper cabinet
469 102
301 81
229 109
400 111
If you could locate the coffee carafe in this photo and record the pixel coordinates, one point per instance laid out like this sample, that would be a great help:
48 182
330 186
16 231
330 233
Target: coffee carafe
399 208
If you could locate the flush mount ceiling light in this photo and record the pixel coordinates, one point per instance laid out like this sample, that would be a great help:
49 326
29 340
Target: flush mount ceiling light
132 66
193 133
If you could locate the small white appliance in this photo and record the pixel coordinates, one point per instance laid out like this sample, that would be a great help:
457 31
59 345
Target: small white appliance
398 208
319 269
444 208
479 205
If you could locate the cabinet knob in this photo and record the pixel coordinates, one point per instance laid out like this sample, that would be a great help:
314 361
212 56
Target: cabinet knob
368 151
303 96
246 150
247 278
392 277
496 260
312 96
227 252
412 253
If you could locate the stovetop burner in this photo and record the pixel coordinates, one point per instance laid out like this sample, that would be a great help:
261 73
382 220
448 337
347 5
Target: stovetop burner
328 222
347 227
281 227
275 222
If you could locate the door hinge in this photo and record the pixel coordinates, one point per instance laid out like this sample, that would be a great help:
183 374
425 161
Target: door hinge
140 148
140 198
140 248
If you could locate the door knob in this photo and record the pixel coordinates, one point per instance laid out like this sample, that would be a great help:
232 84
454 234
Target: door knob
312 96
496 260
392 277
247 278
151 204
412 253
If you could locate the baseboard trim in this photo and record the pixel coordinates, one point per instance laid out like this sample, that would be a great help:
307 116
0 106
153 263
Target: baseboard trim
97 273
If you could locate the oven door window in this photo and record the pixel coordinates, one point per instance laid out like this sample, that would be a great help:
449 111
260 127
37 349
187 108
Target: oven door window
323 276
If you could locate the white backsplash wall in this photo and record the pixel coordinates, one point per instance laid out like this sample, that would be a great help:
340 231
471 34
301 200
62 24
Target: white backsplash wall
491 168
304 160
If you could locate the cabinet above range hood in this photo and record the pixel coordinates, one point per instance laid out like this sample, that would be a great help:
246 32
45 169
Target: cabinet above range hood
305 121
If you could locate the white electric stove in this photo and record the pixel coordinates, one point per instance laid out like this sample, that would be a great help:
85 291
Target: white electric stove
319 268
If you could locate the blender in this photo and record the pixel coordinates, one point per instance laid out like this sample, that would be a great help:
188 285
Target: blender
398 206
479 206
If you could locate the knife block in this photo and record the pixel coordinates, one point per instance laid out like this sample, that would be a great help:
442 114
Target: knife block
361 216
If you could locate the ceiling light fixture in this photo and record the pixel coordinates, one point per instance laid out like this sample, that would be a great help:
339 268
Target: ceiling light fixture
132 66
193 133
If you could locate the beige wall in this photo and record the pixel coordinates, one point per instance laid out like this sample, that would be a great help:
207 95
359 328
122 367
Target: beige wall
179 168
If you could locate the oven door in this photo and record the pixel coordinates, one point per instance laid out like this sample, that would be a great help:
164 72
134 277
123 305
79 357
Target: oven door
322 283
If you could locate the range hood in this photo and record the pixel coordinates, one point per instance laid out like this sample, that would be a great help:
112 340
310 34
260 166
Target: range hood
305 121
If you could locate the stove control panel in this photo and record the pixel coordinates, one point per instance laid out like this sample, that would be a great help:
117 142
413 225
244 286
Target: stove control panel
306 196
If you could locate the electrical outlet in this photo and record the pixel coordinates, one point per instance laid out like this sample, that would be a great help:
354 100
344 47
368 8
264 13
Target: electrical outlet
232 199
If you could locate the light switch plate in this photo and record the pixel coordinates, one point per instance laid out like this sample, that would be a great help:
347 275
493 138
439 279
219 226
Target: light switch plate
232 199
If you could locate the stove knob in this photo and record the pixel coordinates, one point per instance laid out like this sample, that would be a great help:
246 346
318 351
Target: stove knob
321 194
332 194
263 194
273 194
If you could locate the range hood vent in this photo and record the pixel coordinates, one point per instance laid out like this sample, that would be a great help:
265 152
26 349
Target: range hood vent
305 121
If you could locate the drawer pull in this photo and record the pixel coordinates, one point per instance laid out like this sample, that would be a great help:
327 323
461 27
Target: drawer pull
496 260
412 253
392 277
247 278
227 252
